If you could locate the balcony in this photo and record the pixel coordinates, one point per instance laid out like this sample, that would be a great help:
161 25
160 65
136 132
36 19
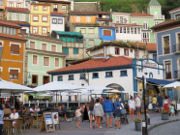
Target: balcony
176 48
159 17
168 75
166 50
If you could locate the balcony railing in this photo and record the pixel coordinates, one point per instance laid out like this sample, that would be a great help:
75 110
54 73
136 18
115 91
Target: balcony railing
159 17
166 50
168 75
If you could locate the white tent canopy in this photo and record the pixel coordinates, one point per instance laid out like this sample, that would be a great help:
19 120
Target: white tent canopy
56 86
173 85
10 87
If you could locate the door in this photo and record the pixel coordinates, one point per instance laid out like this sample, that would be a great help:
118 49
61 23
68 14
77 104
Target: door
45 79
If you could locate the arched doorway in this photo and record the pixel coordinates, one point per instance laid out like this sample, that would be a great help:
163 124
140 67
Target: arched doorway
118 87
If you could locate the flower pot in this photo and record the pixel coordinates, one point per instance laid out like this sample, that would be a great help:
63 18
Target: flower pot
165 116
137 126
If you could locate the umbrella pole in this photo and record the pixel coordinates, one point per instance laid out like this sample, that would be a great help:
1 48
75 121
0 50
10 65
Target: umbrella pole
23 98
56 99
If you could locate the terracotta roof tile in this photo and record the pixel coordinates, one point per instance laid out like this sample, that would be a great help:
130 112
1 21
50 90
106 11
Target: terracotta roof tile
21 22
140 14
24 10
97 63
90 12
127 24
149 46
55 13
9 24
15 37
55 1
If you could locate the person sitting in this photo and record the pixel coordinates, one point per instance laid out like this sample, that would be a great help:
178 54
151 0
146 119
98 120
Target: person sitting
7 111
32 109
37 109
14 115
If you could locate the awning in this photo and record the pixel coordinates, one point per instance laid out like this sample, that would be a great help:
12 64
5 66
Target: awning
75 34
157 81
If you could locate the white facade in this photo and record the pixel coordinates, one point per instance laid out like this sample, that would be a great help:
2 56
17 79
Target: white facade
129 33
16 3
57 23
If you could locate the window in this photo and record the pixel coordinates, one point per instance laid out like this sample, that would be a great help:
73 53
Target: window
128 30
107 32
56 62
91 30
45 8
135 30
53 48
117 51
60 78
83 30
45 79
1 29
44 47
117 30
71 77
91 42
95 75
139 31
168 69
126 52
123 73
13 74
75 51
46 61
60 21
35 7
82 76
177 17
77 18
145 37
136 53
35 79
132 31
32 45
35 18
124 29
1 43
109 74
55 7
44 18
34 59
145 26
178 42
120 30
166 44
44 30
88 19
14 49
23 17
64 7
65 50
35 30
54 21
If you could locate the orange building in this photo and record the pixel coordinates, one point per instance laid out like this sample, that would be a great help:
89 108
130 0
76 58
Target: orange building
11 52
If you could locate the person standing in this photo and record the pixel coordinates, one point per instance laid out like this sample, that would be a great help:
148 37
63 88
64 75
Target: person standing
118 103
98 113
108 109
131 104
118 117
160 102
91 107
78 116
1 119
166 104
138 106
154 103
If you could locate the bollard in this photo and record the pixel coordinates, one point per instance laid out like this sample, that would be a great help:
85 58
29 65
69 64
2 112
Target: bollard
144 128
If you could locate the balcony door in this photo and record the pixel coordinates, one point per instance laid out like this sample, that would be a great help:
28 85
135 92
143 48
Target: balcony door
166 45
167 66
178 42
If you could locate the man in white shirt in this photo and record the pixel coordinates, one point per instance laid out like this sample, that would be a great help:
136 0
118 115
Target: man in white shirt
138 106
14 115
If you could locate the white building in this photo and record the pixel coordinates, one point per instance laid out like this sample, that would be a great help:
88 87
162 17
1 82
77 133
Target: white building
16 3
57 22
121 72
128 32
132 50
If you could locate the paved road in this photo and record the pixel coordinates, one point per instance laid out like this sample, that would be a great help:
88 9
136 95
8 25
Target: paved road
68 128
167 129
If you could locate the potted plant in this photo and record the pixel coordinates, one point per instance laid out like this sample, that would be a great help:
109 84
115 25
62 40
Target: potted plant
138 124
165 115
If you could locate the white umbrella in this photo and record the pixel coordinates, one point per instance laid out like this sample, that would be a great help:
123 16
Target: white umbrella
113 91
6 86
56 86
172 85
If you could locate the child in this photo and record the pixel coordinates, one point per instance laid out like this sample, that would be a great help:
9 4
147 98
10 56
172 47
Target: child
118 117
172 110
78 116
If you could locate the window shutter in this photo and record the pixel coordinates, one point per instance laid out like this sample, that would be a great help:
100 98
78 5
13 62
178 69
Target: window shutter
46 61
34 59
107 32
14 49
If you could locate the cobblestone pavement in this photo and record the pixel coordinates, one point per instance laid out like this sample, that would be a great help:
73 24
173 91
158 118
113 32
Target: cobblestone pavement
68 128
167 129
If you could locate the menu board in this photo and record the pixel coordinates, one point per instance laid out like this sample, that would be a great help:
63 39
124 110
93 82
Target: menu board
55 118
49 125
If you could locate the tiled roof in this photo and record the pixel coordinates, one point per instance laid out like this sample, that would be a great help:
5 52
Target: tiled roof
23 10
140 14
9 24
106 26
166 24
127 24
174 10
21 22
14 37
149 46
97 63
90 12
55 1
154 3
55 13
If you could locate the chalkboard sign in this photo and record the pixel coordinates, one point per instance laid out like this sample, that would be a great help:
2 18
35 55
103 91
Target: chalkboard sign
49 124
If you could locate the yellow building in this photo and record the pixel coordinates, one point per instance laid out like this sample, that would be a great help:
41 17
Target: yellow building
40 18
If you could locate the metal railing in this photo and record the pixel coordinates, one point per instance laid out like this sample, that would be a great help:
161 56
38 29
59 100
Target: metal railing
168 75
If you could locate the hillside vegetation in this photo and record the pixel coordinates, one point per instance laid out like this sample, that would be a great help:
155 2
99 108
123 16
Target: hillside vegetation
135 5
